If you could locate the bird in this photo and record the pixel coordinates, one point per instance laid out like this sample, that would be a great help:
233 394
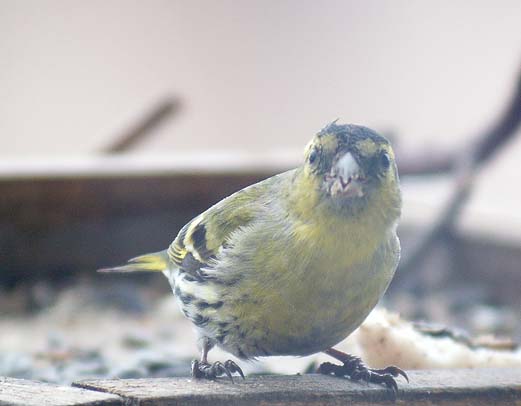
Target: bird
293 264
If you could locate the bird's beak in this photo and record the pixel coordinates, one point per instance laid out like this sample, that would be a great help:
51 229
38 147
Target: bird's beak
345 178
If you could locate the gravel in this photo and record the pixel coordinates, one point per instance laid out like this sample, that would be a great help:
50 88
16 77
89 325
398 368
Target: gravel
134 330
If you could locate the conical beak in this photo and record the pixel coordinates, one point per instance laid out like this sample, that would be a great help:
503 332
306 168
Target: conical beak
346 178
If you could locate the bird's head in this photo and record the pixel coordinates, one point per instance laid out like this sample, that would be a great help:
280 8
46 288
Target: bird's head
352 168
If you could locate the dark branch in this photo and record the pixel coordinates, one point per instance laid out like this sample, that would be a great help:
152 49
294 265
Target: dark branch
466 167
141 129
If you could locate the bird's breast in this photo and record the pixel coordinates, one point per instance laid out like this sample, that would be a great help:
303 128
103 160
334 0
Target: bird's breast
320 299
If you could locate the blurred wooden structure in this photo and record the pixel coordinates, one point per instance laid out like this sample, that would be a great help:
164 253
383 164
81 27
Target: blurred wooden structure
62 216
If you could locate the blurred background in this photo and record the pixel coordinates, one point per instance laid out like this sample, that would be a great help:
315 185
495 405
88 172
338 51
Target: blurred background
120 121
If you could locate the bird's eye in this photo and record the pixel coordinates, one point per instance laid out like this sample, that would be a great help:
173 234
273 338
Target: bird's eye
385 161
313 156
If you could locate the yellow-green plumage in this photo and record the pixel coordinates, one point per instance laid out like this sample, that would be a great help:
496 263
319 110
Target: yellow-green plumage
293 264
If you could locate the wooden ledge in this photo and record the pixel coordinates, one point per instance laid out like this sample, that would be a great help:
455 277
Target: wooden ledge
433 387
463 387
21 392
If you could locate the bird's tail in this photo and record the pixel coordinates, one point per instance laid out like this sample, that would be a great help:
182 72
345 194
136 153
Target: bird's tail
156 262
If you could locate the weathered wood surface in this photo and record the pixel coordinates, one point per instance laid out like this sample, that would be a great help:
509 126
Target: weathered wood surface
435 387
20 392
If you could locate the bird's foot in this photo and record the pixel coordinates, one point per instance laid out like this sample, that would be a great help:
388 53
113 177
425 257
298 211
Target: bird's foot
354 368
204 370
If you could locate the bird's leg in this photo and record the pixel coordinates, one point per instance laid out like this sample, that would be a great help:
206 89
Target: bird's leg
204 370
354 368
204 352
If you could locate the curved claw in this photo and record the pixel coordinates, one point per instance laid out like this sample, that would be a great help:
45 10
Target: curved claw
201 370
394 371
220 369
233 367
389 381
356 370
196 370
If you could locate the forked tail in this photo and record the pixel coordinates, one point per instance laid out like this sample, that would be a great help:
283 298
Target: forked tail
156 262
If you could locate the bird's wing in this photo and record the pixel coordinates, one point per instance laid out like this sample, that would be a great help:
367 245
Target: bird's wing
199 241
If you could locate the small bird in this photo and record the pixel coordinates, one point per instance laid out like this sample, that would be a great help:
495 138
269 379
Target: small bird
293 264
